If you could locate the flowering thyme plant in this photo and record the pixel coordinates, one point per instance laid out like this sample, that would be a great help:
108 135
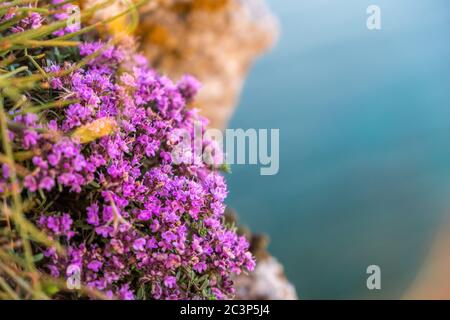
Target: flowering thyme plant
87 171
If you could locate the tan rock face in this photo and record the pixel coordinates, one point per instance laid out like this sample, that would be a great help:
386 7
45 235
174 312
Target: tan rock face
266 282
214 40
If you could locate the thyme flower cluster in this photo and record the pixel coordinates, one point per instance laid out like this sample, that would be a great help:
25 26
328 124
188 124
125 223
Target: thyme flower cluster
133 222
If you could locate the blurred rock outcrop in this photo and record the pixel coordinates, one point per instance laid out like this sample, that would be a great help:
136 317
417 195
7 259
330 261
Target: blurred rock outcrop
214 40
268 281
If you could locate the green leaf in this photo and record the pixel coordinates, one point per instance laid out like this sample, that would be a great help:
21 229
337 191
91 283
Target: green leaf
141 293
225 167
50 288
38 257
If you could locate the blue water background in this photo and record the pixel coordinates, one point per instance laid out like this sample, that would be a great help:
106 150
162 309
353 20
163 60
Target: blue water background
364 119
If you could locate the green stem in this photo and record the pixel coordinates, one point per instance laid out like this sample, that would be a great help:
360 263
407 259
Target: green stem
17 201
8 289
50 105
9 74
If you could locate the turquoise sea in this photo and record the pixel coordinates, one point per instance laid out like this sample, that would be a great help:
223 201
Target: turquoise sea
364 119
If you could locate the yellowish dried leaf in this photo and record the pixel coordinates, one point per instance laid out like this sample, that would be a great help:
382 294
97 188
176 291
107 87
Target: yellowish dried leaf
94 130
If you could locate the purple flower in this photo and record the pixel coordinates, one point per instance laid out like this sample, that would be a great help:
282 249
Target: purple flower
200 267
125 293
170 281
92 214
188 87
30 138
137 215
94 265
47 183
139 244
33 21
